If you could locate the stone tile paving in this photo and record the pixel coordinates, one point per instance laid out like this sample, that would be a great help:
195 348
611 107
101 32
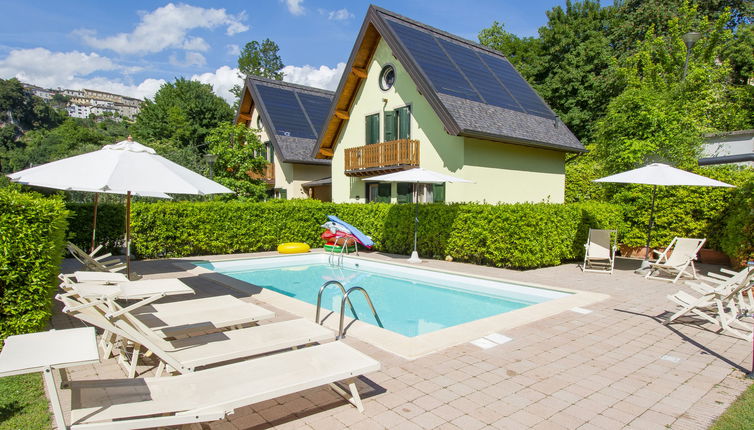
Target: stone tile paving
617 367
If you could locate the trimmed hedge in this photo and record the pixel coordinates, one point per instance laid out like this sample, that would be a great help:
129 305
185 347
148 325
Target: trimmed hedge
33 235
111 225
516 235
737 233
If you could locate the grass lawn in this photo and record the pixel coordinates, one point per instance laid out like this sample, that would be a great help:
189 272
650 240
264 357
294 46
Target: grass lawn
740 415
23 404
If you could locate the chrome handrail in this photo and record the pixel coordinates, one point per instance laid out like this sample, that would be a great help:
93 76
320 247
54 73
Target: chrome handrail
322 290
343 309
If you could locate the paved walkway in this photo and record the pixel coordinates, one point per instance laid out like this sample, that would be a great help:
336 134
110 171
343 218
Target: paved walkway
616 367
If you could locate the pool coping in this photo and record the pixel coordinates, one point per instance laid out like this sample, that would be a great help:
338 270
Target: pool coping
406 347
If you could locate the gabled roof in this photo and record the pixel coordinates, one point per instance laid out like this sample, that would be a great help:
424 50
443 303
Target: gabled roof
292 115
474 90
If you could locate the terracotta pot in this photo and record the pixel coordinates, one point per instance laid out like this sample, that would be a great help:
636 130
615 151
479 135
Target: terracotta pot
711 256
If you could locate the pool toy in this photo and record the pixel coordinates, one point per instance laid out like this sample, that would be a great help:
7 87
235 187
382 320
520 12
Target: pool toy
360 237
332 247
293 248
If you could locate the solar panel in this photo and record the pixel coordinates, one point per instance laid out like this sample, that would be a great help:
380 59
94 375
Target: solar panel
317 107
493 78
518 87
479 76
285 112
433 62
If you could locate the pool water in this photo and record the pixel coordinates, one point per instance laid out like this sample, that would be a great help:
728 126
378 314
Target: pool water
408 301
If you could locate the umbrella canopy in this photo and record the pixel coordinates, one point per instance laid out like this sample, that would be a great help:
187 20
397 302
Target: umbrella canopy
662 174
122 167
126 167
659 174
417 176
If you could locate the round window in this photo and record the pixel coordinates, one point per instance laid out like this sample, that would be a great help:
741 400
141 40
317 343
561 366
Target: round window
387 77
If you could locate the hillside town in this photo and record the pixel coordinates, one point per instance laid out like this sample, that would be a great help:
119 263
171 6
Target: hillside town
86 102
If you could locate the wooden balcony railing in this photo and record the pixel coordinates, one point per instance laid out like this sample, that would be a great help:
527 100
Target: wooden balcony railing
268 175
382 157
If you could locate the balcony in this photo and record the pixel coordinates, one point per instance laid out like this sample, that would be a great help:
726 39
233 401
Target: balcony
268 175
384 157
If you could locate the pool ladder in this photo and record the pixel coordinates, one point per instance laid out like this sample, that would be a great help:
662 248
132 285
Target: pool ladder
341 328
337 260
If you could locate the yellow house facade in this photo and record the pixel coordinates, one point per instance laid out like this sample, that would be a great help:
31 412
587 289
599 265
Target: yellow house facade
398 107
285 115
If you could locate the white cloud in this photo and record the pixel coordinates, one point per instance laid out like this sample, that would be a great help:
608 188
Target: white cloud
233 50
339 15
322 77
167 27
190 59
70 70
295 7
222 80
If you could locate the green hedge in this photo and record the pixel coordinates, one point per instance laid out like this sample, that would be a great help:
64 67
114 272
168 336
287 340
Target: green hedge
516 235
111 222
737 232
33 235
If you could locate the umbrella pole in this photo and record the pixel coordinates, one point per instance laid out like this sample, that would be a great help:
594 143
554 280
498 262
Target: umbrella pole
94 221
128 235
415 254
651 223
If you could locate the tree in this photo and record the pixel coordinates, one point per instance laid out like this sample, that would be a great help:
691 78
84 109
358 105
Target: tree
239 153
661 115
182 114
24 110
259 59
523 53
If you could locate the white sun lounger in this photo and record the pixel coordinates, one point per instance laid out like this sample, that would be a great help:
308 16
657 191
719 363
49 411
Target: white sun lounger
743 302
676 259
600 251
103 277
185 355
204 396
94 262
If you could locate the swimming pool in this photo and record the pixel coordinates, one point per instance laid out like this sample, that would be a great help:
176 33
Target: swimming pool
409 301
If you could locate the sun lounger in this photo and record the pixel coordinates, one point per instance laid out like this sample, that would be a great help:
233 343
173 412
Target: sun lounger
676 259
94 262
185 355
600 251
204 396
717 306
103 277
743 302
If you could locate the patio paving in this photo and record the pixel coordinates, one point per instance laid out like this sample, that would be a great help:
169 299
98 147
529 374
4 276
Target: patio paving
616 367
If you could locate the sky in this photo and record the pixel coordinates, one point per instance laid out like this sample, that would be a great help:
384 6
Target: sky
133 47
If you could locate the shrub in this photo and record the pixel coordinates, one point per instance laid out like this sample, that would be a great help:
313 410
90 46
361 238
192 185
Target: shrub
110 225
33 232
737 233
517 235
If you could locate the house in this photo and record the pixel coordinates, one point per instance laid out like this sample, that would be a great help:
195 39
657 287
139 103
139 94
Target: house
415 96
728 147
289 118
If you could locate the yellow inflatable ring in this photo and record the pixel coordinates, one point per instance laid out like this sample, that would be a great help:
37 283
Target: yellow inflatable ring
293 248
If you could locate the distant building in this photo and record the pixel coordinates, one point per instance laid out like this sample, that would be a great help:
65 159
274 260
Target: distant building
731 147
86 102
43 93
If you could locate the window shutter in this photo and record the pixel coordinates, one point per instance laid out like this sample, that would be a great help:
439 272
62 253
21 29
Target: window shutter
405 192
372 129
438 193
390 126
383 192
271 151
404 122
284 194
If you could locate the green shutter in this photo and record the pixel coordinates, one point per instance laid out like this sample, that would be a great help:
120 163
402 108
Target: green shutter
438 193
404 122
390 126
272 152
372 126
405 192
383 192
284 194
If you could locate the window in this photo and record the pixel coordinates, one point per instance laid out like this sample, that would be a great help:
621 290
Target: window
373 128
398 124
259 122
282 193
405 192
438 193
387 77
378 192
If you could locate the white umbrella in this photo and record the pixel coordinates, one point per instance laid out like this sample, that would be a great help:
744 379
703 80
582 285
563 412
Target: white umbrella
417 176
660 174
126 167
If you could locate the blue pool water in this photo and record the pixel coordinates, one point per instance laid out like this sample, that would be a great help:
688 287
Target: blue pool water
408 301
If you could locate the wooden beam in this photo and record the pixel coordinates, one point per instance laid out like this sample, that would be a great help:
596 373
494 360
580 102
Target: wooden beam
244 116
359 71
327 152
342 114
